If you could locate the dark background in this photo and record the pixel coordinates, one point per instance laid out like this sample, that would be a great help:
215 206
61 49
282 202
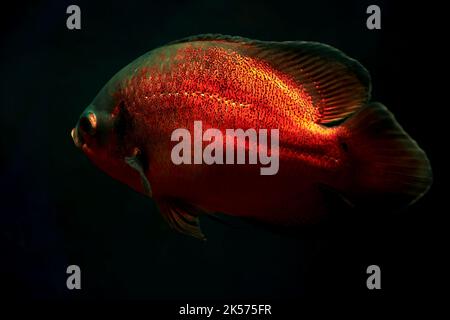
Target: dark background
58 209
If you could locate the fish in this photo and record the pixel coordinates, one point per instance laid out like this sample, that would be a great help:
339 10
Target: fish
331 135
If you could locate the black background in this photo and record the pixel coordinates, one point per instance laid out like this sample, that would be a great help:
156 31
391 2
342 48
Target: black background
57 209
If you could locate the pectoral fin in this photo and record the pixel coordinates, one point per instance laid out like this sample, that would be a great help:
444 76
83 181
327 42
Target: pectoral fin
135 162
182 217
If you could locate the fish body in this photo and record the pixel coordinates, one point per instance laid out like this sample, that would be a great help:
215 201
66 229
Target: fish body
330 134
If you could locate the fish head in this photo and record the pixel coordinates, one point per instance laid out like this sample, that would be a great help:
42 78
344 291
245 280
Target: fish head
92 132
102 132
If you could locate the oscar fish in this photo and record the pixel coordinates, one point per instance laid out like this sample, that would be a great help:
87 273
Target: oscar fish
331 135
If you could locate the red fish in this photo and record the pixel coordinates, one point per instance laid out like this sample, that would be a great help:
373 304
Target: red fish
330 135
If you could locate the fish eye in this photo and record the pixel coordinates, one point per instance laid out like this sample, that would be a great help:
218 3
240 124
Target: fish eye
88 123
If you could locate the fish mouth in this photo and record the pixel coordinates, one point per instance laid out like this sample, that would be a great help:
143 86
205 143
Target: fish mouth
76 139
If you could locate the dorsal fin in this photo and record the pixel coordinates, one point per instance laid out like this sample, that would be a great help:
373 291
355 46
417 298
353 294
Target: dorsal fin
338 84
214 37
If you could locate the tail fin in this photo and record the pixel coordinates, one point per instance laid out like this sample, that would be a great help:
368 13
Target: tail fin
388 167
